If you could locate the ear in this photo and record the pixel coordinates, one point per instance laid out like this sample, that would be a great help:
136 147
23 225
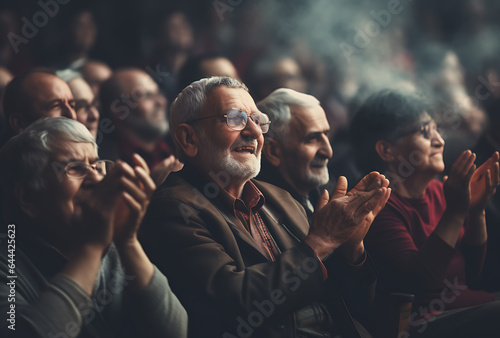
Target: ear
385 150
27 201
188 140
17 122
272 151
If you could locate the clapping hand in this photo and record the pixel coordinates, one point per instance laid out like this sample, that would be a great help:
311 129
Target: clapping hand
484 183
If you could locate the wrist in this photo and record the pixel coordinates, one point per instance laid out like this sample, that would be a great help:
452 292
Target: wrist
458 217
352 253
322 247
126 243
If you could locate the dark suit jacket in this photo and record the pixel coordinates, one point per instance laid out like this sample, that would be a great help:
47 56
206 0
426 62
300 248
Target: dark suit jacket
223 279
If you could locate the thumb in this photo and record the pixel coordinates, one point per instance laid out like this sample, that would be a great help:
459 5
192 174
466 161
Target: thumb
340 189
445 178
323 200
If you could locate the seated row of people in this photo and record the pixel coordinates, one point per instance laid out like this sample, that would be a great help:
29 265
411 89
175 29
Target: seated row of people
244 257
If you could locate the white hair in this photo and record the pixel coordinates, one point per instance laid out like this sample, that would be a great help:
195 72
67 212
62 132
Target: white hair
277 106
30 153
189 103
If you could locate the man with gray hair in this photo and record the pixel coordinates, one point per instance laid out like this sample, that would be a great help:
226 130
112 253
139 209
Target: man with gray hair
296 149
240 253
70 261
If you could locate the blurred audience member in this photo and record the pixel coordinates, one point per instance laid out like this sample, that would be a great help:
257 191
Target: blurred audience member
173 47
85 104
138 111
95 73
34 95
79 40
273 72
206 65
296 148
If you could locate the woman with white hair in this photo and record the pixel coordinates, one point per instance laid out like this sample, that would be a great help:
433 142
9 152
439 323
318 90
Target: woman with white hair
77 266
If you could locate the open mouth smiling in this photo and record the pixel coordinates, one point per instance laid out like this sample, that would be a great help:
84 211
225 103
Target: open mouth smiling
242 149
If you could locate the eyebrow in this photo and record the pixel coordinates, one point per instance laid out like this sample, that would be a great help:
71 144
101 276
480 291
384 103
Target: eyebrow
95 159
315 134
58 101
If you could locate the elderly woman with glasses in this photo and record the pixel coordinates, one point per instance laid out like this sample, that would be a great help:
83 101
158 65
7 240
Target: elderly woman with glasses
72 265
430 238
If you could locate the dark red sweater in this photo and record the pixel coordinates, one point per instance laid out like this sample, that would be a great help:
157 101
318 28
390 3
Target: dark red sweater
411 259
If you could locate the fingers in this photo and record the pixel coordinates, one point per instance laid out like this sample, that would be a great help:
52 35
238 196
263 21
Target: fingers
469 174
495 177
136 192
495 157
459 161
146 180
340 189
362 199
468 162
140 162
489 185
383 202
373 180
132 203
463 168
372 201
322 201
445 178
125 169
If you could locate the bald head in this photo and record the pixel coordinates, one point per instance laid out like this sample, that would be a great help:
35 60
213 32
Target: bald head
95 73
36 95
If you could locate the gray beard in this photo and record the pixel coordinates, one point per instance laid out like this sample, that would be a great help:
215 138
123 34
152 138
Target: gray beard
230 165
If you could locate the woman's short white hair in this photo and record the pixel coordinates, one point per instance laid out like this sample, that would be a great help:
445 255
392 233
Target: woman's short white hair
189 103
277 106
29 154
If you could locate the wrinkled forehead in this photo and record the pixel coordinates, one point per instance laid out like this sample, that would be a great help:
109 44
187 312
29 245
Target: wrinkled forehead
222 99
41 85
70 150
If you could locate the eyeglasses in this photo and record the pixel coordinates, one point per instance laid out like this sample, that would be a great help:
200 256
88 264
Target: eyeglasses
79 169
427 129
237 120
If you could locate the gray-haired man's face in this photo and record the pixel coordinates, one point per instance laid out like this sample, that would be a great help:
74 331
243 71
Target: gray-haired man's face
306 149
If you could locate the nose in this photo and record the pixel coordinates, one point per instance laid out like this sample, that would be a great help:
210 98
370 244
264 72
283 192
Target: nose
437 140
68 111
92 177
252 129
93 114
326 147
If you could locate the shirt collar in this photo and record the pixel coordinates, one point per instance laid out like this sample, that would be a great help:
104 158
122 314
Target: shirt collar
251 199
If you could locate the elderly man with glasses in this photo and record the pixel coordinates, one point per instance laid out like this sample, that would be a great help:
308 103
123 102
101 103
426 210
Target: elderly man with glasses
70 263
240 253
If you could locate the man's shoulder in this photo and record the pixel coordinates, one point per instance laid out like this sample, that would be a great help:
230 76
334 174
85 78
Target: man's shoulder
271 190
277 196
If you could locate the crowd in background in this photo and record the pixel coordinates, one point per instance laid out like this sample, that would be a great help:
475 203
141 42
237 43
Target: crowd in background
340 52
